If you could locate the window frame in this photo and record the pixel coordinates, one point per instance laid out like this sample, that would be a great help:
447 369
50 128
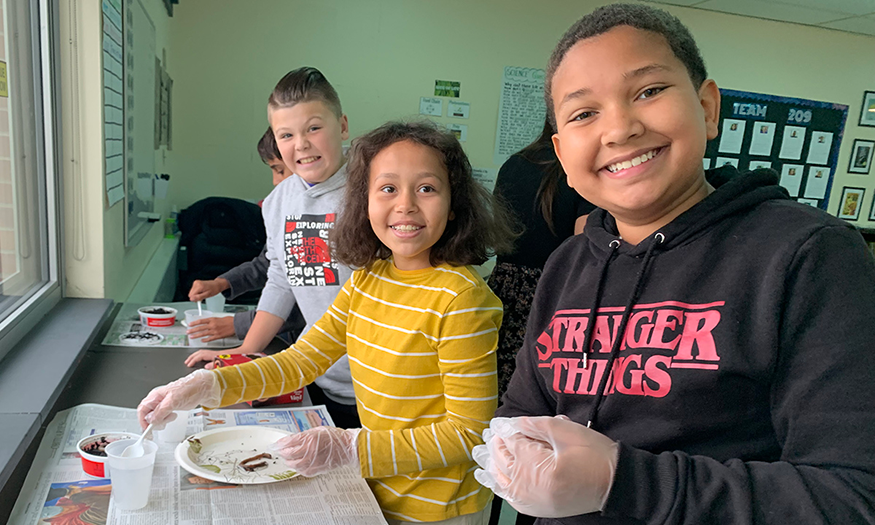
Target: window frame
46 72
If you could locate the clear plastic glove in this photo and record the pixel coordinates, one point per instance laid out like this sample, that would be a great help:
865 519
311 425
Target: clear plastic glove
319 450
549 467
197 388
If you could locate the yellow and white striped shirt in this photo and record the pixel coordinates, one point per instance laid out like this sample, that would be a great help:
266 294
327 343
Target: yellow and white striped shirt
421 348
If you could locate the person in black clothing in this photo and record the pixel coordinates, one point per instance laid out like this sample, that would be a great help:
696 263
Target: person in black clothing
533 185
703 352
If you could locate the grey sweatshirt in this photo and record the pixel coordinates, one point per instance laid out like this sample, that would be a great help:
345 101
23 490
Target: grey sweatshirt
297 219
250 276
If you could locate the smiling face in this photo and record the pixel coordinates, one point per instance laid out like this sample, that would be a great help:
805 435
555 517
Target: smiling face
632 128
408 202
309 136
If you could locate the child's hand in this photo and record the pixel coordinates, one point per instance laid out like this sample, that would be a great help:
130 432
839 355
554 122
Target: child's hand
200 290
203 355
212 328
546 466
319 450
197 388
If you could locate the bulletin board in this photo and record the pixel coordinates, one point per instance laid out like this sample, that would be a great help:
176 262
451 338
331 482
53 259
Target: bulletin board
798 138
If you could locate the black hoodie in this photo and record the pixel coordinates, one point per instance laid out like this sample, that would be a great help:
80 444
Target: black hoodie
744 390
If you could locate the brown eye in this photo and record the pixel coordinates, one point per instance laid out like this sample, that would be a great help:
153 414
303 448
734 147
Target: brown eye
649 92
582 116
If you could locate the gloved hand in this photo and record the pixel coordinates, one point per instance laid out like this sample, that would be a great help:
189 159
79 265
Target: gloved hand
319 450
200 387
549 467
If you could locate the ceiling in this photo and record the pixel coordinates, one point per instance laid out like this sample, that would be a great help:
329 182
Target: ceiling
855 16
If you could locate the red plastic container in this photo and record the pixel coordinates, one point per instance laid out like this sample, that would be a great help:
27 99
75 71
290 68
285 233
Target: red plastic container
157 320
93 465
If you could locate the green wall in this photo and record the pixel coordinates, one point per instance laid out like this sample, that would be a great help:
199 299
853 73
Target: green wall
382 55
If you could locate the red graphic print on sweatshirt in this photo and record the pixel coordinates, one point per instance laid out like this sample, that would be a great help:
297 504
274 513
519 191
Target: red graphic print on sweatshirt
307 254
659 338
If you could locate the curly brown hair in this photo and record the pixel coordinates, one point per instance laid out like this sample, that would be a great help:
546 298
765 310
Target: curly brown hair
482 225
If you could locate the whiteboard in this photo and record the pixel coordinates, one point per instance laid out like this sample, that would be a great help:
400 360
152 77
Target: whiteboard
139 120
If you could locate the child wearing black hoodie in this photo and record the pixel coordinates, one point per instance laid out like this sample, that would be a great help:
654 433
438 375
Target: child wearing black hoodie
715 336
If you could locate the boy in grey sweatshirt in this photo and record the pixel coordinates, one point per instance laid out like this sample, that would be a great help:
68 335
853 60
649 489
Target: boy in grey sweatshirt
309 126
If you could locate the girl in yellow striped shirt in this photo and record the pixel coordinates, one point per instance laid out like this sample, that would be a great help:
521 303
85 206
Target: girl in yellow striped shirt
418 323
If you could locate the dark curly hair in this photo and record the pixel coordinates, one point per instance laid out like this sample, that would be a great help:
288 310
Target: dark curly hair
482 225
643 17
267 148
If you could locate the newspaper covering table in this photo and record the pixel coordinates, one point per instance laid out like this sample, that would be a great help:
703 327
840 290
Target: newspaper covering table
128 320
56 487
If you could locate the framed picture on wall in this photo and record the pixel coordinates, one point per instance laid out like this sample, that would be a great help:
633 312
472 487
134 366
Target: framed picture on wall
861 156
872 211
867 112
849 206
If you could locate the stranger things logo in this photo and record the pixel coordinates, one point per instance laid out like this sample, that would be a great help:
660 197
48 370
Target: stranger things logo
659 338
308 258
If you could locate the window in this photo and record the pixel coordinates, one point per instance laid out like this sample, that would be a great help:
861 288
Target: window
28 210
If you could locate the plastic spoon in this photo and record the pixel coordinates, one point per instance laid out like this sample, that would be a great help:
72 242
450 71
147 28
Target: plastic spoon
199 309
136 450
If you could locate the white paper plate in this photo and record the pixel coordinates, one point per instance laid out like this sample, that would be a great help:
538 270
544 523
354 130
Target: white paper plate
222 449
223 314
135 338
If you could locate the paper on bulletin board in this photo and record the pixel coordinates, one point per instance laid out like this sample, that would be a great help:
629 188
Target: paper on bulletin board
723 161
762 139
521 111
792 142
113 101
818 180
459 130
485 176
791 178
431 106
458 109
818 150
732 136
757 164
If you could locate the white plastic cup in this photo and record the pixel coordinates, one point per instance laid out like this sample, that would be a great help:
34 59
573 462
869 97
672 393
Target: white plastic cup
175 431
216 303
131 477
193 315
